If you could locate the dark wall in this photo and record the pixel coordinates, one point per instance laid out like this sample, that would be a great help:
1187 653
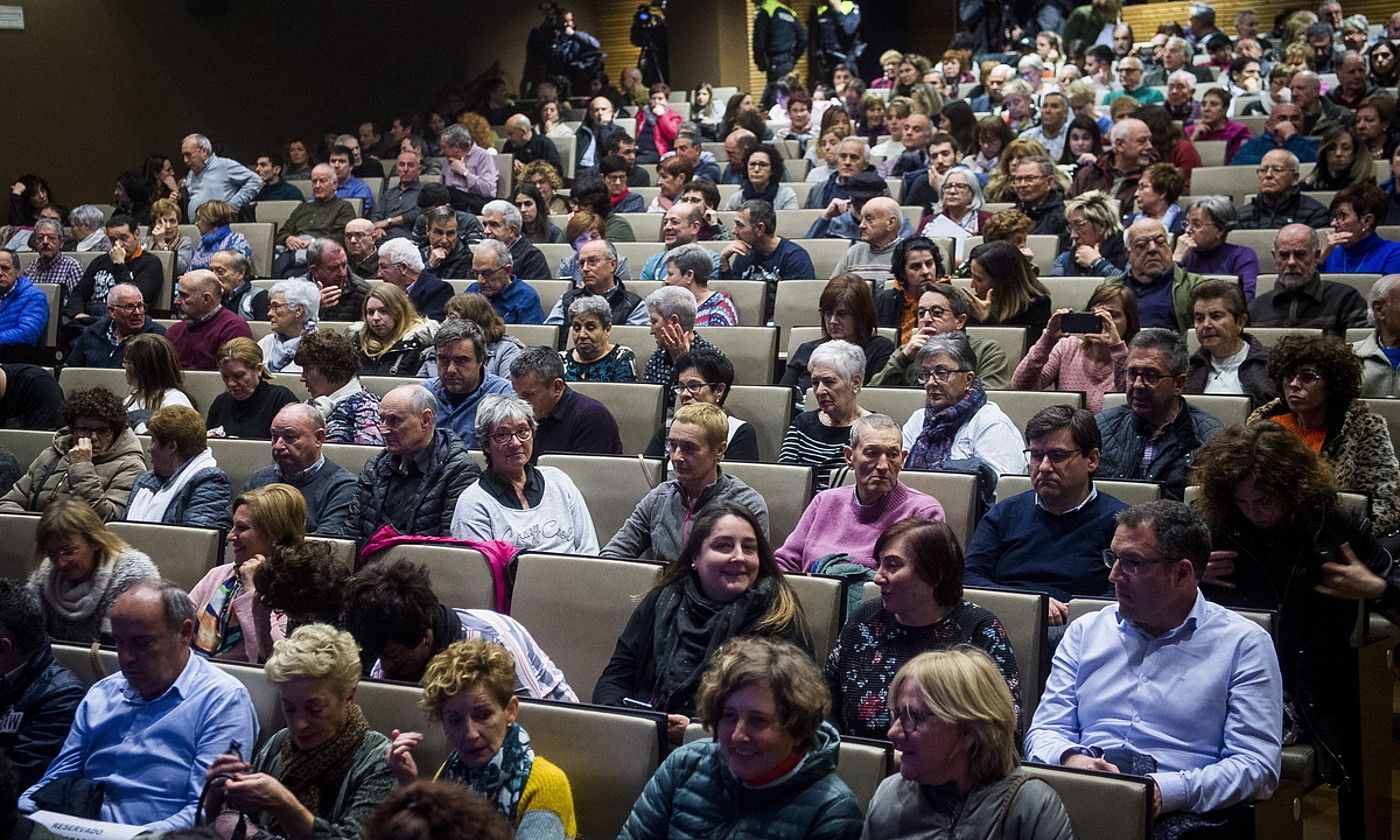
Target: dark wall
95 85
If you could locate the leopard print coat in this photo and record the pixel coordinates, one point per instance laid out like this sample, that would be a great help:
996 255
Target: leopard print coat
1363 457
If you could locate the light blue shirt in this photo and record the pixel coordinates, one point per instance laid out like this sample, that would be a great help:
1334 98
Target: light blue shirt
223 179
152 755
1204 699
461 417
655 267
355 188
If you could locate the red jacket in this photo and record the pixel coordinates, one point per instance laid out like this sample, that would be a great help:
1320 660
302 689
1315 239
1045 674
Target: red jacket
667 125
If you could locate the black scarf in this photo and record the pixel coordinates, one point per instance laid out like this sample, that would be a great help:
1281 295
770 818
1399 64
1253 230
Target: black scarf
690 627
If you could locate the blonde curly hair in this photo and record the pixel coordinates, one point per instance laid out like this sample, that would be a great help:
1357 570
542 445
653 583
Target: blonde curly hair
465 664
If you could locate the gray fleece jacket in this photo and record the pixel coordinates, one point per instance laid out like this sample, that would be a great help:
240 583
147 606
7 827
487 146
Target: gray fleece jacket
659 522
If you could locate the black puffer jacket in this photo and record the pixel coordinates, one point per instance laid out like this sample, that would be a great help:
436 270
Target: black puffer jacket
46 694
418 501
1124 439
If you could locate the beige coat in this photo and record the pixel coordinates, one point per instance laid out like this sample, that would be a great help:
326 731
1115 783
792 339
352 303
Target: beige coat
104 484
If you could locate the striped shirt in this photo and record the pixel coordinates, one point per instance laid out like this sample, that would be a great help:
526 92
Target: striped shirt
809 443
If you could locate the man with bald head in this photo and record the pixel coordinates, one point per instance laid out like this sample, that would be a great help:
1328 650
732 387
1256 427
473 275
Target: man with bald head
413 485
323 215
682 225
1353 82
103 343
206 323
1282 130
1318 114
214 178
1163 288
298 435
592 136
1280 200
360 247
914 155
1300 298
1117 172
527 147
736 145
879 232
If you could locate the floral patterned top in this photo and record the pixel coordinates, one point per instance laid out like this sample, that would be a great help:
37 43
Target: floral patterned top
873 646
618 365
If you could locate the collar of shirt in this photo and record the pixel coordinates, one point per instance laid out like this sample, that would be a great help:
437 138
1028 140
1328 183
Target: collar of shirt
177 689
294 478
1093 494
1187 626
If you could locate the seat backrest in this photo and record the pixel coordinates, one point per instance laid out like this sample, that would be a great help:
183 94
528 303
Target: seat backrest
748 298
793 224
183 555
577 607
25 444
1101 806
266 702
612 485
897 403
550 291
239 459
1226 408
787 488
461 576
389 706
276 212
1260 241
350 456
52 296
535 335
259 236
1023 615
768 408
822 600
647 228
609 755
346 551
1212 152
1235 181
752 350
795 304
1072 292
638 409
113 379
1011 339
77 659
17 558
825 254
1127 492
1021 406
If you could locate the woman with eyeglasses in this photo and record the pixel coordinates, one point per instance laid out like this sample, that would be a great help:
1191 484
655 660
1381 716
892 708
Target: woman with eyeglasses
1320 379
1202 248
960 776
959 426
533 508
1094 363
1095 238
763 176
705 376
1283 542
960 201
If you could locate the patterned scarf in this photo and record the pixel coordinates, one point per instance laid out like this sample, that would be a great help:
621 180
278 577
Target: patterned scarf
502 781
941 426
304 772
218 630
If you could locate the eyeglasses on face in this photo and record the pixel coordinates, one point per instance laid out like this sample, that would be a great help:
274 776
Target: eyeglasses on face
1056 456
1130 566
1303 377
1149 376
939 375
930 311
692 388
504 436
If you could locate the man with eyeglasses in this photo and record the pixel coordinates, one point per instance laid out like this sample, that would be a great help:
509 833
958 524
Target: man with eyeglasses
1280 201
514 300
401 265
1301 299
1154 437
462 379
103 344
207 324
1166 684
597 263
1117 172
940 310
566 421
1050 538
683 224
1282 130
502 222
52 266
1130 84
1039 197
613 170
1162 287
359 247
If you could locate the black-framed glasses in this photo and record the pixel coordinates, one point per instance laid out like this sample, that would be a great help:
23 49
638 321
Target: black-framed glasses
1056 456
1130 565
692 388
504 436
930 311
139 306
939 375
482 273
1148 375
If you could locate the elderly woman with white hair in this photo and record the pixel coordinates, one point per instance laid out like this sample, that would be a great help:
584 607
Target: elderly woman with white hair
959 427
689 267
672 312
1096 246
594 356
85 221
293 307
817 437
959 201
533 508
324 774
1202 249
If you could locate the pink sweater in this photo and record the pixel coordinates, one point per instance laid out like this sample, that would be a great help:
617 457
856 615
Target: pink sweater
835 522
250 648
1065 367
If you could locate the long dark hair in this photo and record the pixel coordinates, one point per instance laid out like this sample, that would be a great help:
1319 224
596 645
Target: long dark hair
785 608
1082 123
537 231
962 126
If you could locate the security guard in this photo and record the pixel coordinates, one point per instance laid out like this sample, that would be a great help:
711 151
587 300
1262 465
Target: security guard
778 39
837 26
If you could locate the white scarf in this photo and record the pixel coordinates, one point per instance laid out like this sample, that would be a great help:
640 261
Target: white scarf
148 505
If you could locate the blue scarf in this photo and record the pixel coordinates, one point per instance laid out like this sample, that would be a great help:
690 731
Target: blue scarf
935 442
502 780
210 241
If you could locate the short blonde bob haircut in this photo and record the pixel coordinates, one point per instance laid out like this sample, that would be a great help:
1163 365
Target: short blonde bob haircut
799 692
464 664
319 651
962 687
709 418
279 511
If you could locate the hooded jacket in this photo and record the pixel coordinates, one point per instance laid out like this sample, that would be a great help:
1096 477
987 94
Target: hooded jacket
418 500
105 483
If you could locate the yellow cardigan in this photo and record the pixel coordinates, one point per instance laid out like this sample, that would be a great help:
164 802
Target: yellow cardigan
547 789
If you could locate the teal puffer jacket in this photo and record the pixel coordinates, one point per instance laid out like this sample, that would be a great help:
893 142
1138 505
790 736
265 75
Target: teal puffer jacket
693 796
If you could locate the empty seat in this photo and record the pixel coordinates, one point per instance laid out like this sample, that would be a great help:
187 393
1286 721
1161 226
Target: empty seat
461 576
183 555
1011 340
550 291
638 409
748 298
825 254
1023 615
1021 406
823 601
613 485
768 408
25 444
787 488
1101 806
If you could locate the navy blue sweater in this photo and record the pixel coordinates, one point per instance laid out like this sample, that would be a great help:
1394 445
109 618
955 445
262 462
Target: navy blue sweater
1019 545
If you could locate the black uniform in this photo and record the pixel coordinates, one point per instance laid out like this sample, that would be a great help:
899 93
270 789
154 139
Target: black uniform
778 39
837 36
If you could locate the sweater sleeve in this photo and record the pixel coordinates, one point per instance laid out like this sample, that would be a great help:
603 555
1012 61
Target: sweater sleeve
983 549
585 536
1040 369
548 790
790 555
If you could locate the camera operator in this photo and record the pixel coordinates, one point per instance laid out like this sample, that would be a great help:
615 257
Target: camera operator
649 32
